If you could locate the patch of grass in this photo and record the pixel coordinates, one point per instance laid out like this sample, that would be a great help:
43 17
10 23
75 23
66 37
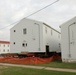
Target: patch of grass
26 71
59 64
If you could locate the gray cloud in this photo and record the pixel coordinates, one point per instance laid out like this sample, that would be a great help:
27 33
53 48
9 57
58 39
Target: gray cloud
14 10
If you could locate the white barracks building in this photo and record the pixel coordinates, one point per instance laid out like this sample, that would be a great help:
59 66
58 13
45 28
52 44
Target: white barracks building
34 36
68 40
4 47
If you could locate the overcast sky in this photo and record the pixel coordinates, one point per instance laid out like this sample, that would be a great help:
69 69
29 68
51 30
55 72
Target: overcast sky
14 10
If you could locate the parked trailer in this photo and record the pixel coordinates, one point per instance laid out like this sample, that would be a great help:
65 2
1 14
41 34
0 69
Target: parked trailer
34 37
68 41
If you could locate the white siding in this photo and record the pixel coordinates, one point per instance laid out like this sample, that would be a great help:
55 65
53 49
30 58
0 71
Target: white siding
67 47
52 39
35 37
32 37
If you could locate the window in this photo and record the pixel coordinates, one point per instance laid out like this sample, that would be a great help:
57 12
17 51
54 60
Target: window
4 45
8 50
24 31
45 29
58 35
26 44
23 44
4 50
14 30
59 45
8 45
14 43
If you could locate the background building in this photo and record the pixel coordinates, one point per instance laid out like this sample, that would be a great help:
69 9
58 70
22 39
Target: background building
34 36
4 47
68 41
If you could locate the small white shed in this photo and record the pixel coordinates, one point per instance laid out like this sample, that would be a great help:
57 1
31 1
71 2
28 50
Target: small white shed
34 36
68 41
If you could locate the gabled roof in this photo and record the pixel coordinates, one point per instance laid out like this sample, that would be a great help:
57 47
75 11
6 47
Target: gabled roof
4 42
35 22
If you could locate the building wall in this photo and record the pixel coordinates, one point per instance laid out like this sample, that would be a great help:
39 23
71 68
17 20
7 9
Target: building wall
51 38
68 55
36 37
64 43
4 48
34 32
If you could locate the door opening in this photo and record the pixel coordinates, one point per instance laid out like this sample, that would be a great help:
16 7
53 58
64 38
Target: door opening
47 49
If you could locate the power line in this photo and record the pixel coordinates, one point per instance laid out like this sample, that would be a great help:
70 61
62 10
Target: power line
8 25
42 9
32 14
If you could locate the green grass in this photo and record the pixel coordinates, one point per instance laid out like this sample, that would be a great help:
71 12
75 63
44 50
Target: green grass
26 71
59 64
